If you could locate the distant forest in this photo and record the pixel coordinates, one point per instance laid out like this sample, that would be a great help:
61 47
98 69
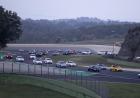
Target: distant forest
72 30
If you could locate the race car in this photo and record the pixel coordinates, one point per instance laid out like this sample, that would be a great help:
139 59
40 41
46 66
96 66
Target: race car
48 61
116 68
70 63
37 61
61 64
94 68
32 56
102 66
19 59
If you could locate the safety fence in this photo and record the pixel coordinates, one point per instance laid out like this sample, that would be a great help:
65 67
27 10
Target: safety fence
79 78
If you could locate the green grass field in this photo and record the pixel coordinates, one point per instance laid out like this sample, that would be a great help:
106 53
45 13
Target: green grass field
119 90
62 87
18 86
94 59
124 63
81 60
28 91
124 90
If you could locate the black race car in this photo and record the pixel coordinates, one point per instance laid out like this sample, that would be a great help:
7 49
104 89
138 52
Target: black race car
94 68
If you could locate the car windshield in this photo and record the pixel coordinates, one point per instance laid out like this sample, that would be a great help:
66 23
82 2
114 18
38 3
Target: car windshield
92 66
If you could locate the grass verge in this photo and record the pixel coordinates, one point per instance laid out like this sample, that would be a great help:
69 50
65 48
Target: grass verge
55 85
81 60
124 63
94 59
124 90
8 90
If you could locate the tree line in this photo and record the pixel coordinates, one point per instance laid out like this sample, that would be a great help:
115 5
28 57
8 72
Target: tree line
72 30
10 26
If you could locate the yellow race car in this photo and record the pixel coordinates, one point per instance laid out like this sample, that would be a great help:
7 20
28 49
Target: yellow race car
115 68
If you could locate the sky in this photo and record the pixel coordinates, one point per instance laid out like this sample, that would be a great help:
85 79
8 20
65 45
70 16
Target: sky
122 10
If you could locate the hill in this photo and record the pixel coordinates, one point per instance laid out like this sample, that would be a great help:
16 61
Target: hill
72 30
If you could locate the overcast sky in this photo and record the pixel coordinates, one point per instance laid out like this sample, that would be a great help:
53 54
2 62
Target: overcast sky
123 10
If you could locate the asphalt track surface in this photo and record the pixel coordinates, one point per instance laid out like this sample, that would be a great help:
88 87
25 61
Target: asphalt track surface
104 75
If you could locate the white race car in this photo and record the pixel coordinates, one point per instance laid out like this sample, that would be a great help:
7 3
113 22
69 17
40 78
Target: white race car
32 56
19 59
71 63
61 64
48 61
37 61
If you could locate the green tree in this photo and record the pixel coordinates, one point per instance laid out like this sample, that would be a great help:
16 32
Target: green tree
10 26
132 43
